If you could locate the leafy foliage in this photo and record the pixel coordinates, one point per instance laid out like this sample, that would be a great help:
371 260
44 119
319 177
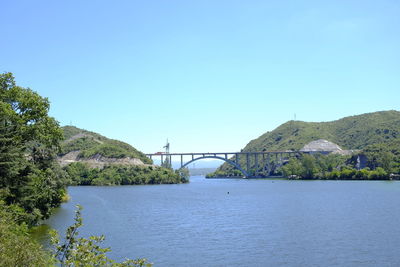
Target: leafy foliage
78 251
220 173
385 155
332 167
16 246
29 141
82 174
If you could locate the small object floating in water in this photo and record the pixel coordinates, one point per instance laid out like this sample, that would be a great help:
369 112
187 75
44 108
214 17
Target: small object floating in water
228 192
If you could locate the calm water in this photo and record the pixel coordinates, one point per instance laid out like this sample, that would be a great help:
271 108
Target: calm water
259 223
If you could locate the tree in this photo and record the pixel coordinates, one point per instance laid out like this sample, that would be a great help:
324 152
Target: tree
293 167
17 248
386 161
29 140
309 168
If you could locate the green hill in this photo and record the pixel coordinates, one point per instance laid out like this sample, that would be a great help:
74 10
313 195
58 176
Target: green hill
92 159
355 132
360 132
90 144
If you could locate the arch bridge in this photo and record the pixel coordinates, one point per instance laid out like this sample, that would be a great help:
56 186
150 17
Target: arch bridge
256 164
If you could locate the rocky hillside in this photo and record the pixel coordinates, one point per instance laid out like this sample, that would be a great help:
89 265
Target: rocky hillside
350 133
96 150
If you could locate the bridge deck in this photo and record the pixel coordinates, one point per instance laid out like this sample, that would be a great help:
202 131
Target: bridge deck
255 162
221 153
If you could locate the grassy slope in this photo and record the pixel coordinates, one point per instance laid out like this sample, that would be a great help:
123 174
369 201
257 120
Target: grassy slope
90 143
354 132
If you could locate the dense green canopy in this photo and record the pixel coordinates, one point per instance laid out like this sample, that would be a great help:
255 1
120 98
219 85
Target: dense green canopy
29 140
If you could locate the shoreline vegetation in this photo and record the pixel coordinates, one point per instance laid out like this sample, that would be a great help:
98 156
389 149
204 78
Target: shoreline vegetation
385 166
82 174
297 178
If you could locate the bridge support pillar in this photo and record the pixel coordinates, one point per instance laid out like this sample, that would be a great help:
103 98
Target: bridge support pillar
268 163
256 163
181 161
248 163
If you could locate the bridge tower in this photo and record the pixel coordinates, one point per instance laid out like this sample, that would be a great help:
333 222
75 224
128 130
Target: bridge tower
166 147
167 163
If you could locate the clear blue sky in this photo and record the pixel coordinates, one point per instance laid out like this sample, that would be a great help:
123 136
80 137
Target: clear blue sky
208 75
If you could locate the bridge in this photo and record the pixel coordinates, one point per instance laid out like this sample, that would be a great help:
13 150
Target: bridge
256 164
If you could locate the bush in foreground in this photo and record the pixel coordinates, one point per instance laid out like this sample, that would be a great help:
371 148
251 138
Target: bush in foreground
78 251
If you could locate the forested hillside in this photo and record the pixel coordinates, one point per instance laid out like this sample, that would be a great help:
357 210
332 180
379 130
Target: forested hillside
90 144
370 134
355 132
92 159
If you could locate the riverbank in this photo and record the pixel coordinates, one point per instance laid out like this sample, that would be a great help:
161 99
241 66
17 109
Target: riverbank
393 178
314 173
82 174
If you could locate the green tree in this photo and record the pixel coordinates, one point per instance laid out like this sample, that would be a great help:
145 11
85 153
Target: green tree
29 140
309 166
16 246
293 167
386 161
82 174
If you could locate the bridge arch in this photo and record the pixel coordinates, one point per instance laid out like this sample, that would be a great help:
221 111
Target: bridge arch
221 158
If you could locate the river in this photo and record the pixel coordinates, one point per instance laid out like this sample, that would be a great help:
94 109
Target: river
239 222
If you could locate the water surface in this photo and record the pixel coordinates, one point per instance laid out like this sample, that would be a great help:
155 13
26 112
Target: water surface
237 222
